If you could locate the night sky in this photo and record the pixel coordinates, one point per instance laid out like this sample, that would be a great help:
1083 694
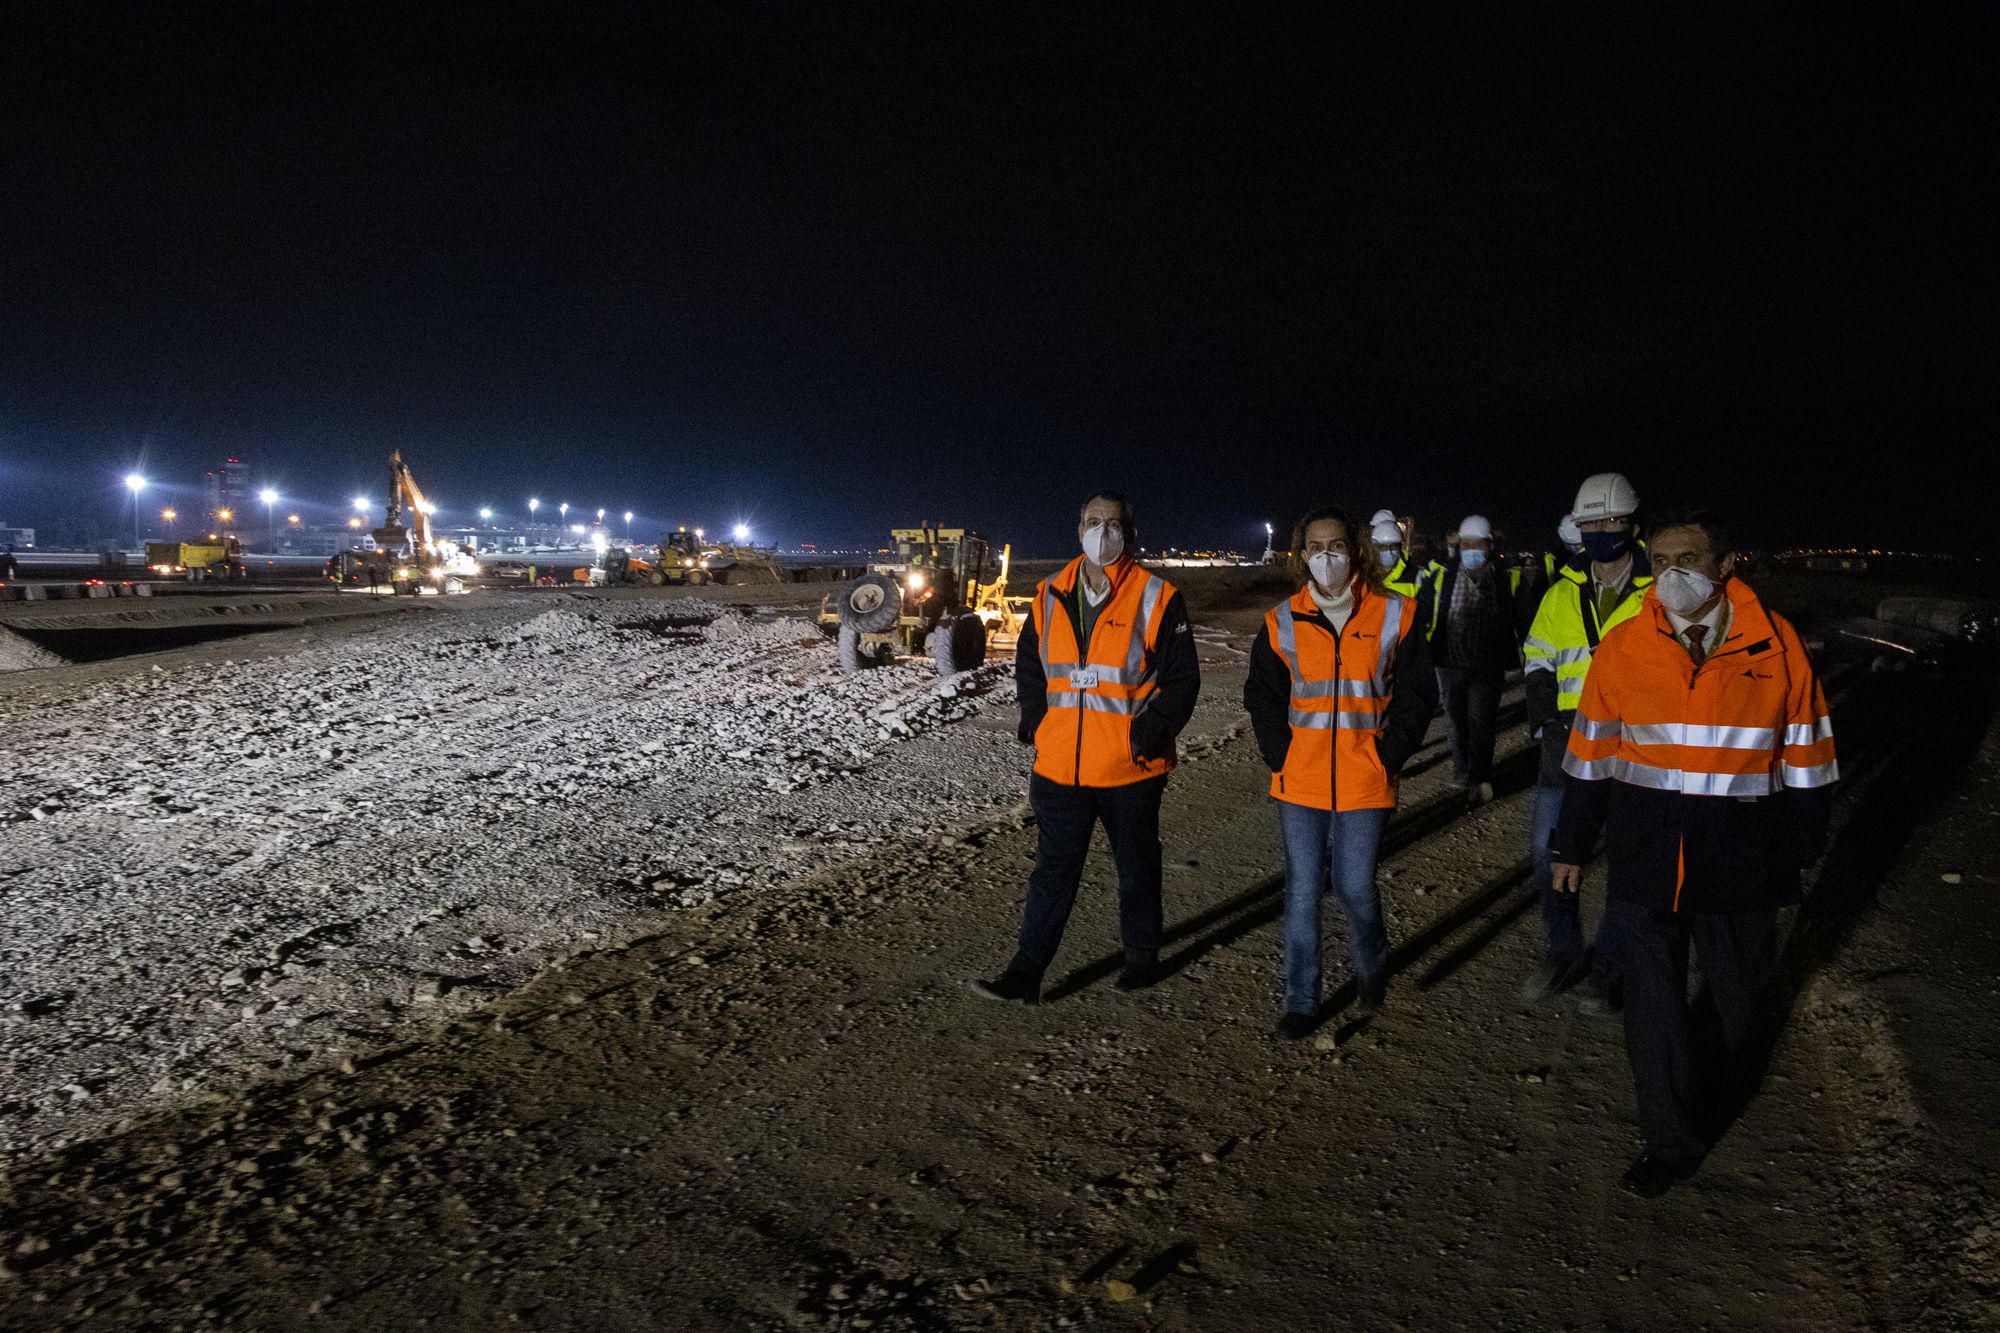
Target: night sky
843 267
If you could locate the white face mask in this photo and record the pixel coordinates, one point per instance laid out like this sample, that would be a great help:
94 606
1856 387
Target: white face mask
1104 544
1684 591
1329 571
1389 555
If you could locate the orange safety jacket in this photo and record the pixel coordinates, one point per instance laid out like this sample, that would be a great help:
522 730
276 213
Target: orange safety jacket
1749 722
1095 690
1339 698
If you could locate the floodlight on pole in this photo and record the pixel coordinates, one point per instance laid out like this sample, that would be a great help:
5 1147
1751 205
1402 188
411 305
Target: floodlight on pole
628 525
742 532
270 499
135 483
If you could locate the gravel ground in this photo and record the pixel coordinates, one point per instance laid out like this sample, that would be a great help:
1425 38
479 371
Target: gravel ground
771 1103
234 865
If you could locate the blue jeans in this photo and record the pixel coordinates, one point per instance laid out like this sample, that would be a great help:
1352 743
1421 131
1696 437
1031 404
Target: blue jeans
1348 841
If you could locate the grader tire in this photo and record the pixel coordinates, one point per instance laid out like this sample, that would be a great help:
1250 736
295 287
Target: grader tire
870 604
849 646
968 642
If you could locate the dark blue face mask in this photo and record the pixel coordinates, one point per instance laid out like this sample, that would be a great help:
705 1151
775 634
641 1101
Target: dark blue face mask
1607 548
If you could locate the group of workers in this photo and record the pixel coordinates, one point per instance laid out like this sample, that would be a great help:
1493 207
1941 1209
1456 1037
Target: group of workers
1682 732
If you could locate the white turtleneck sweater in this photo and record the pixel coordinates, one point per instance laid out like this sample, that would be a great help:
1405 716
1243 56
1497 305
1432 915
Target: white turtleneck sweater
1337 610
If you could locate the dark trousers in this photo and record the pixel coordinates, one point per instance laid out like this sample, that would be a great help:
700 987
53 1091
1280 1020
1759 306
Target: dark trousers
1562 913
1692 1063
1064 820
1471 698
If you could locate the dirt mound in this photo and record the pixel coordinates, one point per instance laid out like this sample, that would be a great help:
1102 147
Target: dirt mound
19 654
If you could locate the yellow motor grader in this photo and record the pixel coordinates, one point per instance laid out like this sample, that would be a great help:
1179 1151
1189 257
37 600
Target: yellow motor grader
935 598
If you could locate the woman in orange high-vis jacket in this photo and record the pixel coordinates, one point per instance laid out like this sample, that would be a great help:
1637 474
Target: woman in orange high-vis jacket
1703 750
1340 692
1107 676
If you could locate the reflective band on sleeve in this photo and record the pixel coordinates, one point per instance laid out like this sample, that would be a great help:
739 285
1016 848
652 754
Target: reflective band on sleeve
1542 646
1593 730
1590 770
1806 733
1819 775
1712 738
1538 664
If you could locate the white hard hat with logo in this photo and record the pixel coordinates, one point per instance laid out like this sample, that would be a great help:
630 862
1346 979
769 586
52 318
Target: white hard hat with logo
1476 528
1386 533
1606 495
1383 516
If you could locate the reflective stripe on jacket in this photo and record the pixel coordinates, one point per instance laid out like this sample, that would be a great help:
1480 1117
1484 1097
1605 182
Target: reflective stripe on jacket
1402 580
1561 637
1095 690
1340 692
1714 780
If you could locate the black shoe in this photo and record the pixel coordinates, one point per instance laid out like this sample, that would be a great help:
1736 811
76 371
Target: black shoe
1599 997
1137 976
1369 994
1015 987
1551 978
1649 1177
1292 1027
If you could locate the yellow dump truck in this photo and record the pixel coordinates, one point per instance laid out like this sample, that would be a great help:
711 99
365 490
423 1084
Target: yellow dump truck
219 557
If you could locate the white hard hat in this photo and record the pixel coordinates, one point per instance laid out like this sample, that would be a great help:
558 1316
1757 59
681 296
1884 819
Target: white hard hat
1475 527
1568 532
1383 516
1386 533
1606 495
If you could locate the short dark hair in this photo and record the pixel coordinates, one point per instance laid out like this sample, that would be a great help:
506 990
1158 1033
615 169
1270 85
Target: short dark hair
1708 522
1127 520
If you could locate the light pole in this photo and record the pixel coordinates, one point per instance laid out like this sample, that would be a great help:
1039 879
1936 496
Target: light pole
628 527
135 483
170 516
270 499
563 510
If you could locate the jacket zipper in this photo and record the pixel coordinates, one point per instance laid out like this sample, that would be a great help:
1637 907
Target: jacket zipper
1076 768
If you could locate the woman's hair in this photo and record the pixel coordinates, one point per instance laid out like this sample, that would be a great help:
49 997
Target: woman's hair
1360 546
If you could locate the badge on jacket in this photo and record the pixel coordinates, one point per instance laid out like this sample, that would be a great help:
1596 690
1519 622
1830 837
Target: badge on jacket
1083 678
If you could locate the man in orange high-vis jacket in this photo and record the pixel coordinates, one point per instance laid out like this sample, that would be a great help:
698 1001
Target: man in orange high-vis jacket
1107 676
1703 751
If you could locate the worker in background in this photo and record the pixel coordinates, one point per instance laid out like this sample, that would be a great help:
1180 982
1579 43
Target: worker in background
1340 693
1703 751
1399 575
1472 616
1569 539
1107 676
1589 597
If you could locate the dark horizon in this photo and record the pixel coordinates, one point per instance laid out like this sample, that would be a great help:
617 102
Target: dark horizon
836 272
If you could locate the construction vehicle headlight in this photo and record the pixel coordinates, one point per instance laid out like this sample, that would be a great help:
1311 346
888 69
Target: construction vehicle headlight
916 580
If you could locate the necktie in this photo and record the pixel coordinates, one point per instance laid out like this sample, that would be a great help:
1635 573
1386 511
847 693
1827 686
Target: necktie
1695 634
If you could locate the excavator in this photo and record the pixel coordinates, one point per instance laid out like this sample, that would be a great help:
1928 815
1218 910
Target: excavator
408 558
